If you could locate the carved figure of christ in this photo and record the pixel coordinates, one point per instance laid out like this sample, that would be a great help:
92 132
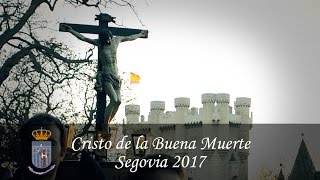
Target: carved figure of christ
107 74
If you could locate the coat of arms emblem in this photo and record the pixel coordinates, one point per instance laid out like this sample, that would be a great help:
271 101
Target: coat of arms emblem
41 149
41 154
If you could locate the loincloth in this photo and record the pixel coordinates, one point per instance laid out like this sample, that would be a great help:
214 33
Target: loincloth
107 77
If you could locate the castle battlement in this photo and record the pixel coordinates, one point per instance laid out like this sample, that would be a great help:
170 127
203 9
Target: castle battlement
216 109
182 102
242 102
157 106
132 109
223 98
208 98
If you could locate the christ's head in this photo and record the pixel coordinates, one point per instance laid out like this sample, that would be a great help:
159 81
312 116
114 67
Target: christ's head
105 36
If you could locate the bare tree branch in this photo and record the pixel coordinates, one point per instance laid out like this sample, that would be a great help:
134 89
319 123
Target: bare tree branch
51 7
126 3
49 52
12 61
9 33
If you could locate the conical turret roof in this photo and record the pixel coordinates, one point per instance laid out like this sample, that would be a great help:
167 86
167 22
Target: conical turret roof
281 176
303 167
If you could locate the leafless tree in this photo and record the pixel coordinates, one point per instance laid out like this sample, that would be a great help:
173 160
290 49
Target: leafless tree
17 27
39 74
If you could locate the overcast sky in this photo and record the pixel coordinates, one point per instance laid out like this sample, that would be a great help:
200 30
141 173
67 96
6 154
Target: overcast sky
265 50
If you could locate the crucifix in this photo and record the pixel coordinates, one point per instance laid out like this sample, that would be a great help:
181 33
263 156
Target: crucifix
107 75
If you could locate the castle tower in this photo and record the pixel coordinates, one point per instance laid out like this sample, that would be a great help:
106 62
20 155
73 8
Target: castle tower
132 113
223 101
223 111
208 100
182 105
156 109
242 108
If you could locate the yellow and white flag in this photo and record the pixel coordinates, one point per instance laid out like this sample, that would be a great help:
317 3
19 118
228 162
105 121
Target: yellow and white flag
134 78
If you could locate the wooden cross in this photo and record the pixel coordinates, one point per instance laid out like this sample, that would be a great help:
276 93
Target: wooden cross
104 20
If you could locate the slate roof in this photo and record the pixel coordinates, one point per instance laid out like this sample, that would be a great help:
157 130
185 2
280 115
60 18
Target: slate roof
281 176
303 167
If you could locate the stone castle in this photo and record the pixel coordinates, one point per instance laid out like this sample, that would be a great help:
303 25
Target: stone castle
215 119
